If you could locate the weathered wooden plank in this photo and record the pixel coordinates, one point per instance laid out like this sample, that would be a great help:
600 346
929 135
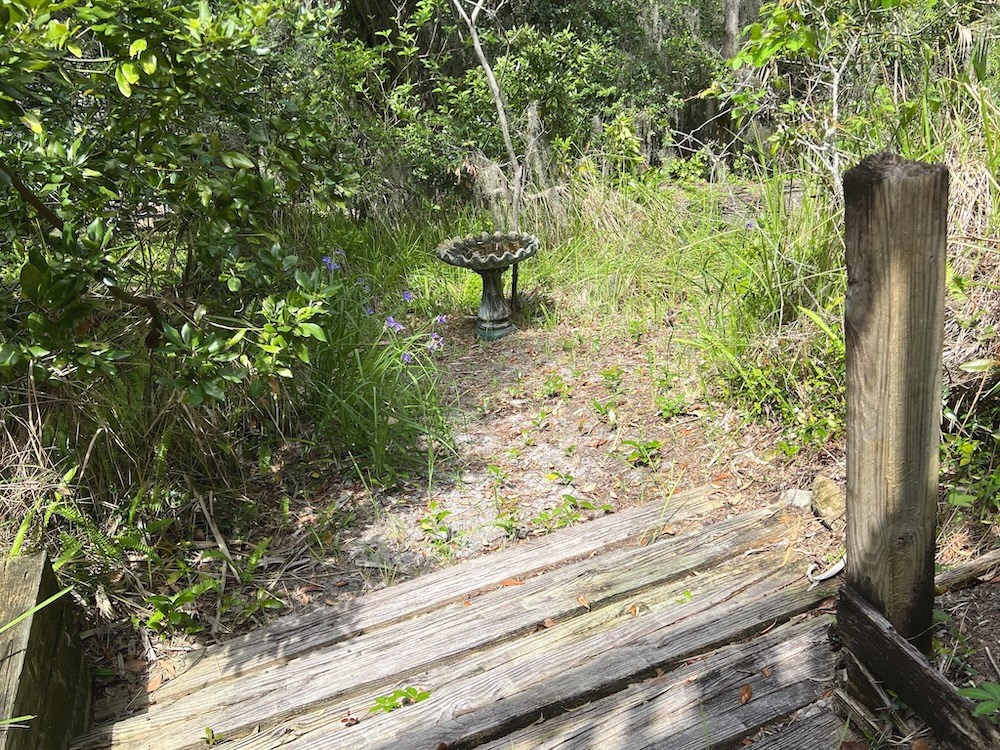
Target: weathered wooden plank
42 671
441 636
566 665
896 217
898 663
699 705
296 635
961 574
816 728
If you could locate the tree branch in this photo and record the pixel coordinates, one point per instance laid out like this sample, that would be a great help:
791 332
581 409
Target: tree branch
52 219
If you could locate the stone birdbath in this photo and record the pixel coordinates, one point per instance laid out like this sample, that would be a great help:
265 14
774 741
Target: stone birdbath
489 255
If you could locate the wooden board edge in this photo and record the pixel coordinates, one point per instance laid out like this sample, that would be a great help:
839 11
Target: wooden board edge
47 659
496 567
902 668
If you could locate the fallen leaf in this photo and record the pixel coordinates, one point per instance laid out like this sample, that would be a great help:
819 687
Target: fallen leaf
350 721
329 602
340 584
634 610
511 582
668 530
466 602
135 665
828 605
919 744
746 693
168 668
584 601
442 746
596 443
766 671
549 622
154 683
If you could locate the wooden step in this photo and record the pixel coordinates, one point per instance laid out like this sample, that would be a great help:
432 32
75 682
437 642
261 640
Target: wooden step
716 701
292 636
497 656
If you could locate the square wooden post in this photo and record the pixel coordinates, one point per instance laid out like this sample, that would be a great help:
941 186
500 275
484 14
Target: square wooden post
42 669
896 216
896 223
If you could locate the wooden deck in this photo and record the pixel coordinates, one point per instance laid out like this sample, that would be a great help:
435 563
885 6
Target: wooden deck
643 629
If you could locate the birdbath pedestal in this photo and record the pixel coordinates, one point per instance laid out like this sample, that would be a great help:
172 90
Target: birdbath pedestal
490 255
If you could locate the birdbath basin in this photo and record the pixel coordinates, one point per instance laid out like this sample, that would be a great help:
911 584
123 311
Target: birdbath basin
489 255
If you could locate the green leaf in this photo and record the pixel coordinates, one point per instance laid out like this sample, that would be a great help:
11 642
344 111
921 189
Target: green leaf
148 62
10 355
234 284
32 122
31 278
235 159
131 72
977 365
139 45
122 81
213 389
311 329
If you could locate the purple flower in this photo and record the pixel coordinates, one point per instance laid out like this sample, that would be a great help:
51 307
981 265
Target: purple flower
435 343
407 357
441 319
392 325
750 225
330 264
369 311
407 295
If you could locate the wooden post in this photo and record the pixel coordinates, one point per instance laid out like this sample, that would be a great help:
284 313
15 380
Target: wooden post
896 232
42 670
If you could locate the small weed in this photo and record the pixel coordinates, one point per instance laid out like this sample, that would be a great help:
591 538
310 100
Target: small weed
556 387
636 330
542 420
398 699
169 615
612 377
436 531
685 597
670 406
210 738
987 698
570 449
563 477
566 513
499 475
507 522
643 452
606 411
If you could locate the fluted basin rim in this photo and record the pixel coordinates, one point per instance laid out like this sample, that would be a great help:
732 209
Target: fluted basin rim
483 252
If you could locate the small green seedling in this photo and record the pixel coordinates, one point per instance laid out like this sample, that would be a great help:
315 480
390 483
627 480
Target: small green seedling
398 699
210 738
643 452
606 411
987 698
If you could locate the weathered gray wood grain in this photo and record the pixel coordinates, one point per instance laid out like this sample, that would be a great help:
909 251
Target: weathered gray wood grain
296 635
896 217
446 634
557 669
42 671
821 729
698 705
961 574
904 670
